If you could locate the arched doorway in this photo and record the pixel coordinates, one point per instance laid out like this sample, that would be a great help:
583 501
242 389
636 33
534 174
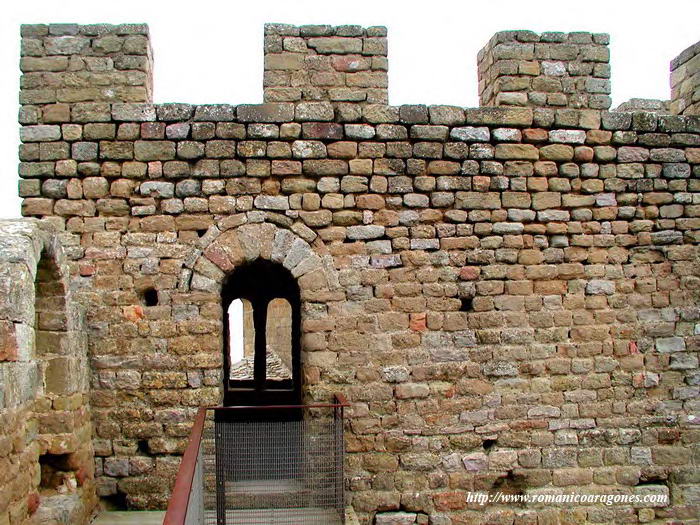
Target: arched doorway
262 344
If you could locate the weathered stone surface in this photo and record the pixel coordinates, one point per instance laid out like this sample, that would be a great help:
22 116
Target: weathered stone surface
670 344
308 149
365 232
154 150
157 189
43 403
269 202
567 136
8 341
395 518
66 45
215 113
340 45
40 133
133 112
476 200
471 134
265 112
174 112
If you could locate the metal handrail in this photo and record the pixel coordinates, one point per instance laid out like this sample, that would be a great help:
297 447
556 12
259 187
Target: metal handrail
341 402
180 497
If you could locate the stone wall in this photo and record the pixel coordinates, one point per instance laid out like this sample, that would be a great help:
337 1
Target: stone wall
346 65
660 107
507 295
45 442
522 68
685 82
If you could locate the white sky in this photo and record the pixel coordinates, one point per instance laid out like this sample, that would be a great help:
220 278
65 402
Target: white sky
211 51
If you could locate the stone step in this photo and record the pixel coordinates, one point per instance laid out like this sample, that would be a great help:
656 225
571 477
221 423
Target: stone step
129 517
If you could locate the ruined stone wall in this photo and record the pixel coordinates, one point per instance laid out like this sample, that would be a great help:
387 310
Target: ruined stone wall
507 295
685 82
45 437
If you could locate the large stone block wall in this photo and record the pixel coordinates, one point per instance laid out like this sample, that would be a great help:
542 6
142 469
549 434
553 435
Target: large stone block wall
685 82
45 437
507 295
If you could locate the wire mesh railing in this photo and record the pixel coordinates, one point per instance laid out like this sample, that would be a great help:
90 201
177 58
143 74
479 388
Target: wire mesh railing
262 465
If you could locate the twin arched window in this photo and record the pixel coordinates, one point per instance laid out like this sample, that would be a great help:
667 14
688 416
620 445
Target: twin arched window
241 340
261 304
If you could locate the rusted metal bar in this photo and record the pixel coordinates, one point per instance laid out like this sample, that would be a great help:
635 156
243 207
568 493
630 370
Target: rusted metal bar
179 500
341 399
340 404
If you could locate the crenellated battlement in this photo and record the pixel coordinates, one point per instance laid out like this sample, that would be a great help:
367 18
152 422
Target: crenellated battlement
71 71
559 70
344 64
685 82
70 63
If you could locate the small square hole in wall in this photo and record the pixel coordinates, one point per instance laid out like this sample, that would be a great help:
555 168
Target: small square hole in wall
652 479
149 297
115 501
142 447
511 483
56 470
467 304
488 444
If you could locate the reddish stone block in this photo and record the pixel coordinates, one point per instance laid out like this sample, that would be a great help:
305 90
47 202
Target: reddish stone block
469 273
87 269
535 135
133 313
219 257
155 169
350 63
286 167
153 130
81 476
449 500
481 183
322 130
33 502
8 341
418 322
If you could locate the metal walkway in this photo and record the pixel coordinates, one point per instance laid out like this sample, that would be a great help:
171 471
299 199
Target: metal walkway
268 465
